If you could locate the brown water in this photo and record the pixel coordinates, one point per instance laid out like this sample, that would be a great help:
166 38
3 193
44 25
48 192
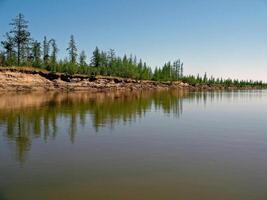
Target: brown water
134 146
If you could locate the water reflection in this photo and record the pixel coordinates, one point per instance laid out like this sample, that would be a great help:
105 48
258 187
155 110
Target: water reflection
2 197
25 117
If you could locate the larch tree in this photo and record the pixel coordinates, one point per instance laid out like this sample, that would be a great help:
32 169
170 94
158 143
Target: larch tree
54 51
2 58
182 70
45 51
20 34
72 49
96 59
111 55
82 59
36 52
8 46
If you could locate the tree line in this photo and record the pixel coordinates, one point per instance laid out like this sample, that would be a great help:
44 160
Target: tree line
20 49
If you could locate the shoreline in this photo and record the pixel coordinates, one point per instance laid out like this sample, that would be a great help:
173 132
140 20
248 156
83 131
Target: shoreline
31 79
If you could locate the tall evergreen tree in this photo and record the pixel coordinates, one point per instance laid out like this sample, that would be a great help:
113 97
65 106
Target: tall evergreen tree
182 70
45 51
21 35
72 49
2 58
36 52
111 57
96 59
205 78
54 51
8 46
82 59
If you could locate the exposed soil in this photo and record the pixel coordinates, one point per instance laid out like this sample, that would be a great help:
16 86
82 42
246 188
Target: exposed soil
31 79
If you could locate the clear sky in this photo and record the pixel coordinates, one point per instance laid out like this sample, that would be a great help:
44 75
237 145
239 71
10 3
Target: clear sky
221 37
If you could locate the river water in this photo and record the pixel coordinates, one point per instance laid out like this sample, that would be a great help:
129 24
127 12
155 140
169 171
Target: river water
134 146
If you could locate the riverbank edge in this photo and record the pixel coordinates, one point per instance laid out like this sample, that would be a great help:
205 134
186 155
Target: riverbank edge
33 79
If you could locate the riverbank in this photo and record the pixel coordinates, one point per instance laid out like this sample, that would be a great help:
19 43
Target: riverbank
32 79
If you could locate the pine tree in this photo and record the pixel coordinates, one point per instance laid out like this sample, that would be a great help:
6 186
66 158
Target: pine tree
28 56
111 56
205 79
21 35
182 70
72 49
36 53
2 59
45 51
140 69
176 69
8 45
95 60
82 59
54 51
103 59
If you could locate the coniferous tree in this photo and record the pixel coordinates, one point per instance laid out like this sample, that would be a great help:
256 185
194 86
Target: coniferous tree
8 46
111 55
2 59
27 57
182 70
54 51
36 53
82 59
72 49
95 60
176 69
205 79
140 69
20 34
45 51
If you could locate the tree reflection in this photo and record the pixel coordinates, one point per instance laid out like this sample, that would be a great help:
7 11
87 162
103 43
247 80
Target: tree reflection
34 115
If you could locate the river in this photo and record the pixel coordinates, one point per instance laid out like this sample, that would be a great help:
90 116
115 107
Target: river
134 146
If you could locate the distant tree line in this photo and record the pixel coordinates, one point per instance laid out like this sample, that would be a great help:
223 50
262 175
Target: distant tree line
20 49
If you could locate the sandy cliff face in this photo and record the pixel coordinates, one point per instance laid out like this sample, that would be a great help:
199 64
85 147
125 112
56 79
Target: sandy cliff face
16 81
13 80
31 79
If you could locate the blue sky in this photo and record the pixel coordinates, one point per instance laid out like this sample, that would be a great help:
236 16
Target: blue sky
221 37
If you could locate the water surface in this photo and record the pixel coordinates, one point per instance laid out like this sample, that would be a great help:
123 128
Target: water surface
134 146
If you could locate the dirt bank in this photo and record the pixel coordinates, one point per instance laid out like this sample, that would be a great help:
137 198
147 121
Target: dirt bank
23 79
31 79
